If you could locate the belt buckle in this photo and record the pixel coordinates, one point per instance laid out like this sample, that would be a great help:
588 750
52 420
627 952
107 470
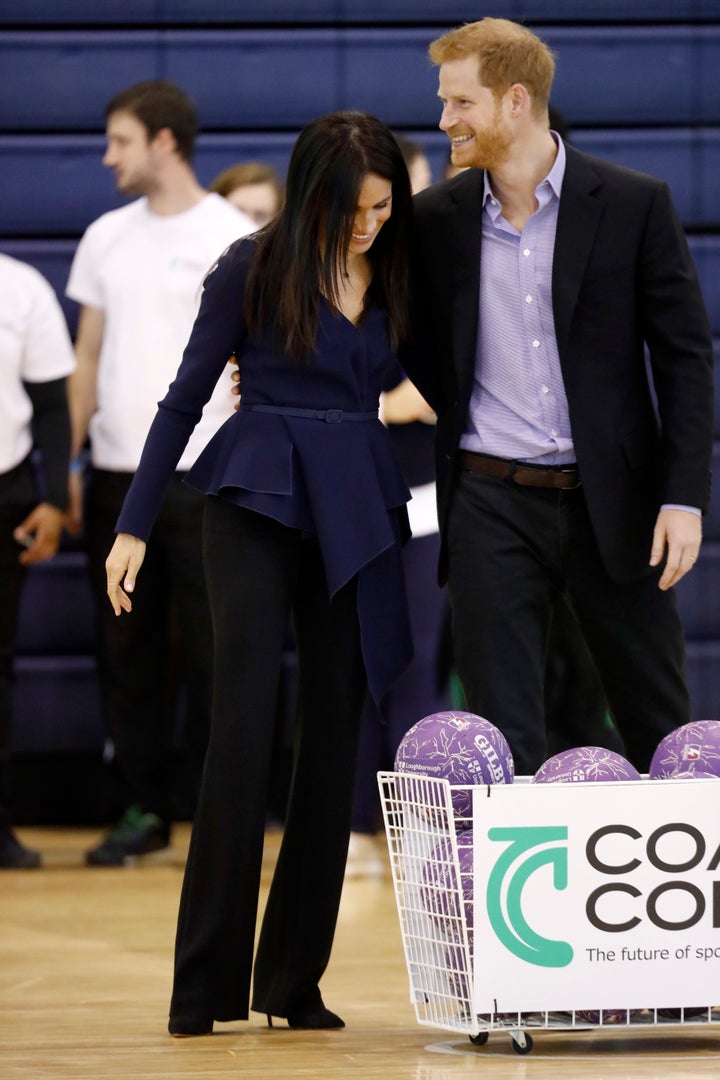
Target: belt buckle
333 416
570 472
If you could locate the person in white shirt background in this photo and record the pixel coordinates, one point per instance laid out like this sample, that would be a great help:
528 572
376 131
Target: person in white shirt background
35 359
137 273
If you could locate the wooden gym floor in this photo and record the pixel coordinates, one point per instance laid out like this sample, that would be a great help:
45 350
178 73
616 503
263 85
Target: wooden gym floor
85 963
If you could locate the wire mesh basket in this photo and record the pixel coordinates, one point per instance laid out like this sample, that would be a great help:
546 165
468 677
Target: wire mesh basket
431 859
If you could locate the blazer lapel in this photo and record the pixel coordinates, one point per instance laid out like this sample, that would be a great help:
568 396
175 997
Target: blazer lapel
464 242
578 219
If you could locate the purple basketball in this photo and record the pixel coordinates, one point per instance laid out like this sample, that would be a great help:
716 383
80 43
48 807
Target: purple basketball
445 897
687 1013
609 1016
694 746
458 976
690 771
460 747
583 764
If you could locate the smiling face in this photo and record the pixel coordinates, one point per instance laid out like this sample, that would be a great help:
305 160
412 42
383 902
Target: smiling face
473 117
130 154
373 210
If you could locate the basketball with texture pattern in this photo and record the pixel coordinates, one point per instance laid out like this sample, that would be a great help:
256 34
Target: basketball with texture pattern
460 747
447 897
607 1016
585 764
694 747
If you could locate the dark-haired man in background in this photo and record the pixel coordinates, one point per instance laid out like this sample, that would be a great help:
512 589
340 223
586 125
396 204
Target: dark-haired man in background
137 274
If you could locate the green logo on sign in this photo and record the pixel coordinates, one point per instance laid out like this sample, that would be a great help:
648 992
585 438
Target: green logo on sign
504 898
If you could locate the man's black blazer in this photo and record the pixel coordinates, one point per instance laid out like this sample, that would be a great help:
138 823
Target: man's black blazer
622 278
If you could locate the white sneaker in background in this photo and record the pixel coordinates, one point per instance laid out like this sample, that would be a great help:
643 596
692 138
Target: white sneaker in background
364 856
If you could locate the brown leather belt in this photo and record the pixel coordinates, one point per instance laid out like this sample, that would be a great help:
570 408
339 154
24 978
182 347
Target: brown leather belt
565 477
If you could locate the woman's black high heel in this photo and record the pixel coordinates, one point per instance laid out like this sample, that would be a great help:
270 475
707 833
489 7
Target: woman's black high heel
314 1018
183 1027
310 1013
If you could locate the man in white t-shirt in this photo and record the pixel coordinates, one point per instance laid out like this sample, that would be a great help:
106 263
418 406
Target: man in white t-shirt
35 358
138 273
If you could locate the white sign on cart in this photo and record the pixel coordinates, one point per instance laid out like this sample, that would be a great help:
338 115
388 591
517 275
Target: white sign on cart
596 896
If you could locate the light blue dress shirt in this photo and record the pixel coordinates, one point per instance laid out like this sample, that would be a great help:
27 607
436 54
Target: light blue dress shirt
518 407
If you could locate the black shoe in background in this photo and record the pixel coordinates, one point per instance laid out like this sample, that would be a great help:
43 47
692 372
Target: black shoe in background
13 854
137 833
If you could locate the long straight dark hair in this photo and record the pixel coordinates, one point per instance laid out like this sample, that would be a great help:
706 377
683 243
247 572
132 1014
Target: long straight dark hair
300 255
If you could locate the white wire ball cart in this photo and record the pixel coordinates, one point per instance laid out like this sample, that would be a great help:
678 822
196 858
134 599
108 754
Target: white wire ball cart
527 907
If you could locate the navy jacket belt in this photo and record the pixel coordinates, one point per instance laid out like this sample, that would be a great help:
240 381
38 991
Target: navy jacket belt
330 416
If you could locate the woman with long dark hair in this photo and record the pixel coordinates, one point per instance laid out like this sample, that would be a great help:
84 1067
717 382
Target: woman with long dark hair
305 514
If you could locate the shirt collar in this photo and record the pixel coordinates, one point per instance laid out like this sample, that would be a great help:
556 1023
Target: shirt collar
554 179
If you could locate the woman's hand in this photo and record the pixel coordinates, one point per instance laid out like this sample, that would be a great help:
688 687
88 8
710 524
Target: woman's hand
121 566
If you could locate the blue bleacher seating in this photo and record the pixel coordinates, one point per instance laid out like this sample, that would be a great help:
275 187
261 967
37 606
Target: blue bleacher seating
266 79
56 705
698 596
259 79
603 76
706 253
57 610
708 175
447 12
711 522
88 12
671 154
613 74
703 668
80 191
83 189
54 81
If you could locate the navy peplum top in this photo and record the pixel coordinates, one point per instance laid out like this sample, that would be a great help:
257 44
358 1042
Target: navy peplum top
332 475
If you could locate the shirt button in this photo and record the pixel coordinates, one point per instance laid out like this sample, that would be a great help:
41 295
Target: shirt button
536 344
526 252
553 431
546 390
528 299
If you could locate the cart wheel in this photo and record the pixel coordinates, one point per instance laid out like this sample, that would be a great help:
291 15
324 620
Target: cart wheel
480 1039
522 1047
